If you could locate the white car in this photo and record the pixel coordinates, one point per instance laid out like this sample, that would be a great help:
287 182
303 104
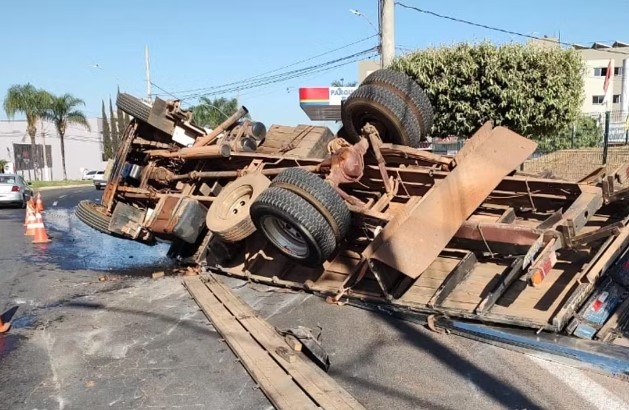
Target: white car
14 190
89 175
99 180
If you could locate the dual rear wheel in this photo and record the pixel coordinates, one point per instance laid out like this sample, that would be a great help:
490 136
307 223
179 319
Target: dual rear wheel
298 212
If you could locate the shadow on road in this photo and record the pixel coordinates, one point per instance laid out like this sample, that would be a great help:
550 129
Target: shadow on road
205 330
495 388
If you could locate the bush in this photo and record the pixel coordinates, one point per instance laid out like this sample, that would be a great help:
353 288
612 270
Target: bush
535 91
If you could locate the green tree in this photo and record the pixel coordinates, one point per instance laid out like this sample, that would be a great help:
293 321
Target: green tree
3 162
62 112
122 124
586 132
107 145
536 91
31 102
211 113
113 126
342 83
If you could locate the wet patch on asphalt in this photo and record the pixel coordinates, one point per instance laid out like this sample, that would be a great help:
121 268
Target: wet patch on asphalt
75 246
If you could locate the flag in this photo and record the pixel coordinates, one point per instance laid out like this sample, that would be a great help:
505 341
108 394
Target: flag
607 77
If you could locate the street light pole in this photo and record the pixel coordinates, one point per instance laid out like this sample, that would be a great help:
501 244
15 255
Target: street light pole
377 30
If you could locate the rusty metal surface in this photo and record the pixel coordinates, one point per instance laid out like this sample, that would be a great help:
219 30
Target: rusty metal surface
412 240
114 177
479 137
162 221
211 137
499 232
158 117
127 220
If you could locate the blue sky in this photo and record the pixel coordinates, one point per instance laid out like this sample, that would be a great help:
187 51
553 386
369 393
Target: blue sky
56 44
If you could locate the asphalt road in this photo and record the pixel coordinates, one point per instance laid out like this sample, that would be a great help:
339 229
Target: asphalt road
135 342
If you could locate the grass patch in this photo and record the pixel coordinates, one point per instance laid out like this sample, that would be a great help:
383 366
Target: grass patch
42 184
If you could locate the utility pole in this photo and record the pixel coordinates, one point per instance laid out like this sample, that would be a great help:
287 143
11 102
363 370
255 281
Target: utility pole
148 73
387 52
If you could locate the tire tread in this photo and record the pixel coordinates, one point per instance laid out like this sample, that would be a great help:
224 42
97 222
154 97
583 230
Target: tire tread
289 203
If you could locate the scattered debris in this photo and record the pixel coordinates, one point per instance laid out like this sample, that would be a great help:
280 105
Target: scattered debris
286 354
286 378
310 345
157 275
293 343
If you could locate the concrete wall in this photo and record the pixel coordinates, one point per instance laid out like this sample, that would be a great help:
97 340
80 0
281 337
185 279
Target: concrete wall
83 148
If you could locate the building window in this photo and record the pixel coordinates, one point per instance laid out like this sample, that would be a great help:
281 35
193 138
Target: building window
617 71
600 72
616 98
598 99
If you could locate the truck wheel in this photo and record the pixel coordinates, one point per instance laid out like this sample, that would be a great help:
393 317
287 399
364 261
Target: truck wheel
293 226
407 89
134 107
93 215
228 217
319 194
342 133
375 103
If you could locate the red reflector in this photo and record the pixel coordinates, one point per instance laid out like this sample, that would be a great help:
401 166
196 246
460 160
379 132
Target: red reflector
15 188
597 305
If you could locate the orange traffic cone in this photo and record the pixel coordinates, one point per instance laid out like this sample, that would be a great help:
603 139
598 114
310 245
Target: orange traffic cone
31 220
30 210
40 230
39 205
4 327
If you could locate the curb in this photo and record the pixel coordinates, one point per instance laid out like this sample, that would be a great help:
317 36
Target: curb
46 188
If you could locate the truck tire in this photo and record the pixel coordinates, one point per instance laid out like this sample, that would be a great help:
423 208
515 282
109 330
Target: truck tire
293 226
228 217
134 107
319 194
406 88
375 103
93 215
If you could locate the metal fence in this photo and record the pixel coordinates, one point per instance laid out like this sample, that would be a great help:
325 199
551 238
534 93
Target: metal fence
596 139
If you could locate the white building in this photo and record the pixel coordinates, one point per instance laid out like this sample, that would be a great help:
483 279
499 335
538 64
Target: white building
83 148
597 59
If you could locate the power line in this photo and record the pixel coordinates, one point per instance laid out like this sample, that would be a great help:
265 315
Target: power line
500 30
284 75
329 65
265 81
271 71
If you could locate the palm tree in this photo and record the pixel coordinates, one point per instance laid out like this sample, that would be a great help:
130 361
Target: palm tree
31 102
211 113
61 112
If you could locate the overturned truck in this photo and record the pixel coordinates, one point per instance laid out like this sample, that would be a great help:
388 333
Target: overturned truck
365 216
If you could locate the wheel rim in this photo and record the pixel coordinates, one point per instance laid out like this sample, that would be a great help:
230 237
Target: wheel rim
236 202
285 236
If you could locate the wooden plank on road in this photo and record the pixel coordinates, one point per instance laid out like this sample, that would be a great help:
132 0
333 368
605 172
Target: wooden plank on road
272 379
321 389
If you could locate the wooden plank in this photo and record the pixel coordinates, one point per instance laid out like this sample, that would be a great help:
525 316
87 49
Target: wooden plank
323 390
273 380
